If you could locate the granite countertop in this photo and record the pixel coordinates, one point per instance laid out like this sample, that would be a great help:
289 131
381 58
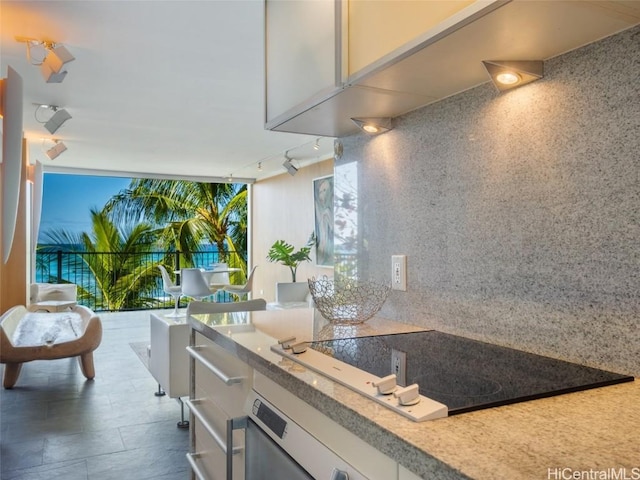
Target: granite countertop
592 431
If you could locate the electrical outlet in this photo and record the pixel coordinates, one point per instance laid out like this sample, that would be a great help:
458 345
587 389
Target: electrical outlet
399 272
399 366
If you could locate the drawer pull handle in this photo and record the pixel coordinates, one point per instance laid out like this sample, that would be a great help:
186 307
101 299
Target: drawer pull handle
227 379
219 438
191 458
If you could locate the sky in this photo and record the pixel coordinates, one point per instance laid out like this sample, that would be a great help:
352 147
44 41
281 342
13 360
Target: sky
67 199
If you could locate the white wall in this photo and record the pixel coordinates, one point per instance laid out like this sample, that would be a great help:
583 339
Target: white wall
282 209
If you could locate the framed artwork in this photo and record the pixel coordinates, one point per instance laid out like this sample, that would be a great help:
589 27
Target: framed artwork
323 210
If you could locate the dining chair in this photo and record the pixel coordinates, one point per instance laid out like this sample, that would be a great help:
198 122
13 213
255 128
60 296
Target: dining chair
220 275
194 284
241 289
171 289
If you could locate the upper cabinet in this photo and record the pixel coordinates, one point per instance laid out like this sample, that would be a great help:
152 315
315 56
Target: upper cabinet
376 29
328 61
303 53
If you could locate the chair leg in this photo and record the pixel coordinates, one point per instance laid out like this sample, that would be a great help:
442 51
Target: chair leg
175 310
175 313
11 374
86 365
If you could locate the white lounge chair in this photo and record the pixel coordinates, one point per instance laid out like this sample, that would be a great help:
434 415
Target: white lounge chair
26 336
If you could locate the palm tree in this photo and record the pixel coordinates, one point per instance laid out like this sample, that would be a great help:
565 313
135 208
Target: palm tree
189 213
113 256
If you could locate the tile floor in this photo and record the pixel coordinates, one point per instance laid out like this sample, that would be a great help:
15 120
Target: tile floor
54 424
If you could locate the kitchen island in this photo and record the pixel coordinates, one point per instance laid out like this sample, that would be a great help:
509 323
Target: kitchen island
591 431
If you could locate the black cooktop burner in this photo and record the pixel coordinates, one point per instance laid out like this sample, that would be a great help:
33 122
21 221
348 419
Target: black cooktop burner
466 374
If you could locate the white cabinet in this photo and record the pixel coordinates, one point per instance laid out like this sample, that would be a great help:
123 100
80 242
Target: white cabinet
221 383
391 57
317 54
168 359
301 42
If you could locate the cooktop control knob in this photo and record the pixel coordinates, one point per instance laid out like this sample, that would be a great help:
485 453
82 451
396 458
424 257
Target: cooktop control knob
408 395
285 343
386 385
299 347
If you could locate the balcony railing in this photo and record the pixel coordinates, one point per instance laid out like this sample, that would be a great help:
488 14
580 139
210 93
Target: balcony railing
110 281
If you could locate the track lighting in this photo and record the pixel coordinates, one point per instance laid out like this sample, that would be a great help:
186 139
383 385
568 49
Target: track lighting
291 168
55 57
56 150
506 74
373 126
316 146
51 67
60 115
56 121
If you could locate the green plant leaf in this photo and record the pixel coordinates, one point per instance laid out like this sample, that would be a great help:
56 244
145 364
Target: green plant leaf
284 253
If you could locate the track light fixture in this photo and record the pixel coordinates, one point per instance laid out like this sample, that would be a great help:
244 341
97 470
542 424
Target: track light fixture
291 168
56 56
316 146
51 68
373 126
56 150
60 115
507 74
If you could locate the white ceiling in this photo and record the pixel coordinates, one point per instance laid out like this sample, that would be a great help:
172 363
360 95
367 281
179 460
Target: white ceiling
156 87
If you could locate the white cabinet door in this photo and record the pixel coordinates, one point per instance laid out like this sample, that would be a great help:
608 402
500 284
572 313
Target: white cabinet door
301 44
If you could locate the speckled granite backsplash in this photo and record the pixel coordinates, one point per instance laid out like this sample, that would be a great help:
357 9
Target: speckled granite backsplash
519 212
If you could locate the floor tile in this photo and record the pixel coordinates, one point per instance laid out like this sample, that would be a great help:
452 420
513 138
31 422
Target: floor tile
150 434
15 455
148 462
38 429
62 471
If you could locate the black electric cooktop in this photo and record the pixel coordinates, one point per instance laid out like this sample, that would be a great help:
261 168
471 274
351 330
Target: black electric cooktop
466 374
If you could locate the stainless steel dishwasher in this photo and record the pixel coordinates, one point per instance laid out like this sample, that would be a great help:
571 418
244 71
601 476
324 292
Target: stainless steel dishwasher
276 448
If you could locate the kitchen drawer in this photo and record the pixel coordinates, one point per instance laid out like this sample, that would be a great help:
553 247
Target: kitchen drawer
229 399
220 357
207 411
210 458
228 396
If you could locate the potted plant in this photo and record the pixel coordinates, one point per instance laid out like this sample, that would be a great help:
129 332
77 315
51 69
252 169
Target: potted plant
283 252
